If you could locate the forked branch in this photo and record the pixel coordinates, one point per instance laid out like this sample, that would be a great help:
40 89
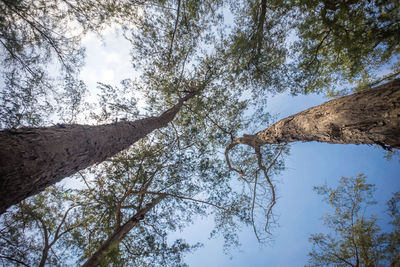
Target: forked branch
260 168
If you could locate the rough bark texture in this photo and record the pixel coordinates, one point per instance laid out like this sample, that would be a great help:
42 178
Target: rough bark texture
367 117
33 158
121 232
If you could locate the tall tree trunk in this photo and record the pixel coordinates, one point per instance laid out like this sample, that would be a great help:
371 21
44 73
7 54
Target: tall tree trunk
121 232
33 158
367 117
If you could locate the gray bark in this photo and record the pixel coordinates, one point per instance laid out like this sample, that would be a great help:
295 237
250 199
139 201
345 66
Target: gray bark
33 158
367 117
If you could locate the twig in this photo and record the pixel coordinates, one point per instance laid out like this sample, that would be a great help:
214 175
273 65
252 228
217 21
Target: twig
83 177
177 136
12 259
181 197
265 171
24 65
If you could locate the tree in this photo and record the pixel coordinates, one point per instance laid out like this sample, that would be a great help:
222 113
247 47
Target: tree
43 231
38 37
34 231
153 187
254 52
367 117
392 239
356 239
167 79
34 158
343 41
133 199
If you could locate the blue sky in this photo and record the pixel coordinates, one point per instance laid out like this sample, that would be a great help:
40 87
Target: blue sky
299 207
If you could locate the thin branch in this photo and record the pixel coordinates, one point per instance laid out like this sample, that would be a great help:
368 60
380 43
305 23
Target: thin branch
177 136
24 65
228 148
261 167
49 39
61 223
174 32
12 259
376 82
260 27
54 253
319 46
265 171
84 180
70 229
181 197
213 121
154 228
182 71
252 206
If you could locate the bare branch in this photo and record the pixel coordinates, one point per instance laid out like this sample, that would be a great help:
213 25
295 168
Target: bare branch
252 206
265 171
247 139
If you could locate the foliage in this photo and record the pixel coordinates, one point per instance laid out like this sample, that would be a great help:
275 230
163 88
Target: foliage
255 51
34 231
178 46
157 166
41 53
393 239
194 184
356 238
344 41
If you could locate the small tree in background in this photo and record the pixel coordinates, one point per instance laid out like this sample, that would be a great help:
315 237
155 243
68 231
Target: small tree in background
355 239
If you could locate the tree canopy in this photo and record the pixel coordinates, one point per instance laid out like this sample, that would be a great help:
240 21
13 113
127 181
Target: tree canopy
345 41
175 173
356 238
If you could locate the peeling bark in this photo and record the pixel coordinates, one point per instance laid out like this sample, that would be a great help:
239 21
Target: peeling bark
33 158
368 117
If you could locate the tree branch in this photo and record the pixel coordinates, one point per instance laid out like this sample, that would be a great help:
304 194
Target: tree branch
12 259
181 197
174 32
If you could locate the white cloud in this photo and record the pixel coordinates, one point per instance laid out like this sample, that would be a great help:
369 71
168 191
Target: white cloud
108 76
112 57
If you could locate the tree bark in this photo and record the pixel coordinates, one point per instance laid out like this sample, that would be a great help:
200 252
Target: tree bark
367 117
33 158
121 232
45 254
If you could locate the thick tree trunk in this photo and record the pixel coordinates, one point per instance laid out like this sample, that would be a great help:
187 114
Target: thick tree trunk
121 232
367 117
33 158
